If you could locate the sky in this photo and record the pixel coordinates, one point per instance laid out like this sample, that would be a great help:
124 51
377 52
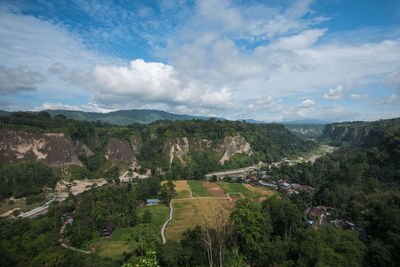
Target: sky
330 60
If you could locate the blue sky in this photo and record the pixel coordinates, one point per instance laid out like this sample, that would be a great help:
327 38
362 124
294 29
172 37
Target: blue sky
332 60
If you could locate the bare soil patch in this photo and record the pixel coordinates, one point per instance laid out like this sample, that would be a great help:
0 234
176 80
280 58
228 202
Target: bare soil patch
214 189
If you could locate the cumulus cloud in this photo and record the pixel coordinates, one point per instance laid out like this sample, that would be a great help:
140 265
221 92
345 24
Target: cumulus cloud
358 97
306 104
149 82
334 93
15 80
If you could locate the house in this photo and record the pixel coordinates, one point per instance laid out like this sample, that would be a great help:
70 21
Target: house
317 214
152 202
107 229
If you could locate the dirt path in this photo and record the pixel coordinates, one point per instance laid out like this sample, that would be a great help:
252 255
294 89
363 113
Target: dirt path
62 230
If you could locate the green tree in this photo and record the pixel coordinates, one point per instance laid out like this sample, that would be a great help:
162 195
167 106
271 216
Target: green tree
251 228
147 216
143 238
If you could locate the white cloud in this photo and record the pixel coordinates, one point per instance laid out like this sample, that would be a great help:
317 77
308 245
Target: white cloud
300 41
306 104
393 79
223 56
148 82
334 93
90 107
391 100
266 104
15 80
357 97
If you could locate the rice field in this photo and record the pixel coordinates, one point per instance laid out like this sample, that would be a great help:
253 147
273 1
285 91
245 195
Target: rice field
189 213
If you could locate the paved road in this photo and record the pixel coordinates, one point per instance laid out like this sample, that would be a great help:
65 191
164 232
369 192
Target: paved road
38 209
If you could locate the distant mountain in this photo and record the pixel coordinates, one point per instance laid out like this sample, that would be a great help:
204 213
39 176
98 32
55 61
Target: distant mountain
305 121
253 121
124 117
4 113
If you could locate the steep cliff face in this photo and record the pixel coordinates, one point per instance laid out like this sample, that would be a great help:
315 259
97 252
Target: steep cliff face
347 132
176 148
232 145
136 143
51 148
306 130
117 150
226 148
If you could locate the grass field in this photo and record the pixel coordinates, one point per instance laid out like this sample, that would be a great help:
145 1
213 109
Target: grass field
159 214
233 188
189 213
261 190
113 247
198 190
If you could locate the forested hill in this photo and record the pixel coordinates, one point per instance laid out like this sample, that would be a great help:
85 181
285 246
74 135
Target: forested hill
183 149
361 181
357 132
123 117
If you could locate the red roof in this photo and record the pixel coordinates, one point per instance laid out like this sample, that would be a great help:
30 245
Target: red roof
317 211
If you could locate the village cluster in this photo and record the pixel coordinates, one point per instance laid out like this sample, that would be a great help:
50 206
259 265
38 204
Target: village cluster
316 216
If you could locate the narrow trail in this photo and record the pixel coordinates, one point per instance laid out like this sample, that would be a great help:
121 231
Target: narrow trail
61 241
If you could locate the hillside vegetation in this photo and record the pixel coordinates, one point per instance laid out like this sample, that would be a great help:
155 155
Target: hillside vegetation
178 149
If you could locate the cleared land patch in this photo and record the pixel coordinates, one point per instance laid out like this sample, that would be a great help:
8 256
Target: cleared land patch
113 247
189 213
198 190
214 189
259 192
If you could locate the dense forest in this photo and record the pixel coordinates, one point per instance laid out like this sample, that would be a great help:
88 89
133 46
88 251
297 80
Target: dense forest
361 182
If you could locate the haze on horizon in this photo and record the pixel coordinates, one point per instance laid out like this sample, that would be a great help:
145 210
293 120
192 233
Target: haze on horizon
331 60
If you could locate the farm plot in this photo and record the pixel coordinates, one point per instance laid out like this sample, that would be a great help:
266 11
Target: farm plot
189 213
214 189
235 190
198 189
